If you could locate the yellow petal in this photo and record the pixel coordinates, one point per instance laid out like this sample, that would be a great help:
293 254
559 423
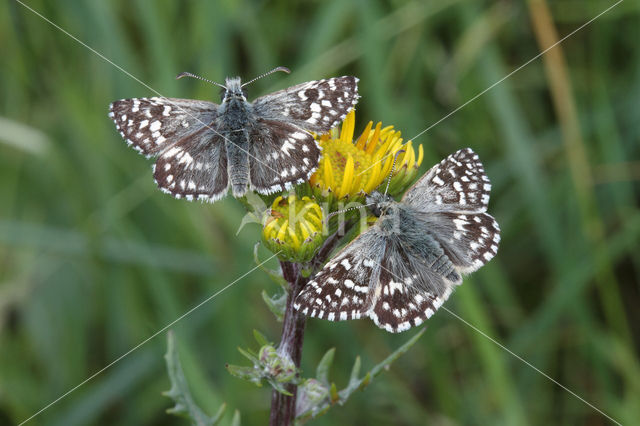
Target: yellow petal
373 142
348 127
374 177
294 238
283 230
268 228
362 140
347 178
328 174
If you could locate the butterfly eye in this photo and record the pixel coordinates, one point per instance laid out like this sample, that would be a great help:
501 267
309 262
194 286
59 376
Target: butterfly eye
375 209
223 93
244 93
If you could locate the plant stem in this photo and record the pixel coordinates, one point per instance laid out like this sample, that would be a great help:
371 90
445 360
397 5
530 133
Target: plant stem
283 407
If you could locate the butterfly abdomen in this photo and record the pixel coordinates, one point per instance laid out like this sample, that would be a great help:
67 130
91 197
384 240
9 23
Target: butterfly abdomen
237 145
234 124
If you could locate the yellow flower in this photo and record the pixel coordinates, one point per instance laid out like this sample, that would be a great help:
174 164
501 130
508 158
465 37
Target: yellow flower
293 227
348 168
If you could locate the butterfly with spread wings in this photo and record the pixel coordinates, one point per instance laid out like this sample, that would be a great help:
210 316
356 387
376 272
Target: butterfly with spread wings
403 268
265 145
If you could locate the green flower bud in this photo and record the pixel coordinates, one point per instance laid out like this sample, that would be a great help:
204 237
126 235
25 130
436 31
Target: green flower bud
293 227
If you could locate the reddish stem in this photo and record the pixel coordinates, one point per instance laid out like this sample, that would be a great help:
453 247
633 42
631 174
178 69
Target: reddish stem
283 407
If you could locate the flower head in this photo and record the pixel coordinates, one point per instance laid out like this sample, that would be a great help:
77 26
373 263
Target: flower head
349 168
293 227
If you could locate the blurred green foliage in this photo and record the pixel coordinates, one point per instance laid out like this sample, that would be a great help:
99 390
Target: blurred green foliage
93 259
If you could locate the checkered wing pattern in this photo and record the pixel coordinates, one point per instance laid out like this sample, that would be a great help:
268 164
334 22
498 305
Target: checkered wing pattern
469 240
381 278
452 199
194 168
316 106
341 290
404 268
457 184
150 125
408 291
282 155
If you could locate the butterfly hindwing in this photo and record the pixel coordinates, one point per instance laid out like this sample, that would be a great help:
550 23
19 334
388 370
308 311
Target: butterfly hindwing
316 106
195 168
150 125
282 155
469 240
341 290
407 292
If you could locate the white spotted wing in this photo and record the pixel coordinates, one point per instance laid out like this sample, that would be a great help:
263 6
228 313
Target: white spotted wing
266 146
150 125
316 106
410 261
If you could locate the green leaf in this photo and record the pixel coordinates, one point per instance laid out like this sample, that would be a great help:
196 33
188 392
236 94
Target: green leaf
250 356
322 372
333 393
185 406
236 419
355 383
355 371
276 304
250 374
279 386
276 276
262 341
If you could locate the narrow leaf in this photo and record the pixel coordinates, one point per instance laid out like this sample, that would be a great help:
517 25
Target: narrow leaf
236 419
262 341
185 406
322 372
276 304
276 276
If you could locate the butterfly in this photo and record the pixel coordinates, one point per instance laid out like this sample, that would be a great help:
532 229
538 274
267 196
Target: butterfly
265 145
400 270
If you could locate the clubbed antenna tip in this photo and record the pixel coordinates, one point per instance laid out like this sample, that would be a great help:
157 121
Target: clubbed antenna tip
283 69
188 74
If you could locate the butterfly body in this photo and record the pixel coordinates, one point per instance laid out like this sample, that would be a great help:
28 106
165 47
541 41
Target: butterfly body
235 115
404 267
265 145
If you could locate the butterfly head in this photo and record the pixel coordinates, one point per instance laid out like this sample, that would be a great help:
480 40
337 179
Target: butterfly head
379 203
233 90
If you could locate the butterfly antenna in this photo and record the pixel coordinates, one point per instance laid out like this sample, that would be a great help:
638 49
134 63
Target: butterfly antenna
395 158
283 69
188 74
326 223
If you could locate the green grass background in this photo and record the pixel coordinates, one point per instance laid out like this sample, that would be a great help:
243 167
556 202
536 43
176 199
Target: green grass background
94 259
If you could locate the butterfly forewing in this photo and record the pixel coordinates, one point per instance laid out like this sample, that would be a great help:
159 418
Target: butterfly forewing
457 183
288 155
152 124
316 106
